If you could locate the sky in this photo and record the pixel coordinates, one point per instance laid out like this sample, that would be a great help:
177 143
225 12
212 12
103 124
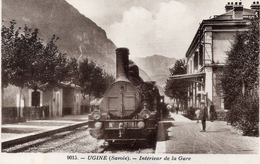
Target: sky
149 27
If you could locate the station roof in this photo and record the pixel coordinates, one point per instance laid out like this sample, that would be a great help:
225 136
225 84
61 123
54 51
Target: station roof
188 76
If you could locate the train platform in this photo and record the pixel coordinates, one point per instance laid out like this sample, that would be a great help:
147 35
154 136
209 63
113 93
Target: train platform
19 130
185 137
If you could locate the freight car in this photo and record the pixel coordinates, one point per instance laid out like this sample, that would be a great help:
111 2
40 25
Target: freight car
130 109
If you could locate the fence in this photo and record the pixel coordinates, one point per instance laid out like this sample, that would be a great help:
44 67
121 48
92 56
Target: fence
15 114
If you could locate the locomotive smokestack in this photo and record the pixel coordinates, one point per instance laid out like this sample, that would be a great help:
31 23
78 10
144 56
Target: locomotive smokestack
122 64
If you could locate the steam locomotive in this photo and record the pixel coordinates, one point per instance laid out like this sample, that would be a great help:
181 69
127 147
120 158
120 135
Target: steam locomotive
130 109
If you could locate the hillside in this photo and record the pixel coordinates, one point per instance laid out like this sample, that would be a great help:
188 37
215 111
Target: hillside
78 35
156 66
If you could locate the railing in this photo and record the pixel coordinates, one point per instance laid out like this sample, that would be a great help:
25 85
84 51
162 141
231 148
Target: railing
15 114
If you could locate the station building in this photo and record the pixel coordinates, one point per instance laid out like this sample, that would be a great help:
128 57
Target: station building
22 104
207 53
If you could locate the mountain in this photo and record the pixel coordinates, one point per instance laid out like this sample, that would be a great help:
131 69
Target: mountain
156 67
79 36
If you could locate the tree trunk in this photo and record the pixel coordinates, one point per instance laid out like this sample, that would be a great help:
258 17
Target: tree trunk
19 104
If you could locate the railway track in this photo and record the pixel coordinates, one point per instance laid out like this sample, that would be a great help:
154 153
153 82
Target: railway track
75 139
47 149
28 142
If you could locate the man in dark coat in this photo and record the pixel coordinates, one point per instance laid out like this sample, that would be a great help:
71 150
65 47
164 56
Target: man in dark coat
204 115
177 109
212 112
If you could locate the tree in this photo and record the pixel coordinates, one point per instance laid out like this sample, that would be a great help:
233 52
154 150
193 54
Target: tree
109 79
11 43
177 88
93 79
240 74
27 62
71 71
240 81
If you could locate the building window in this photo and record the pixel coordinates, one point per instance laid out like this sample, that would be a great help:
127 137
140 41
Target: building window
196 60
201 55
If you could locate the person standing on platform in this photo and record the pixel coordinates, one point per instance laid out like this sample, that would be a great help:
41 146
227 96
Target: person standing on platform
203 115
177 109
212 112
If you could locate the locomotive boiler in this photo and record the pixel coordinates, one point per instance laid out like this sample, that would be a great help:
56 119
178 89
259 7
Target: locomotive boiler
130 108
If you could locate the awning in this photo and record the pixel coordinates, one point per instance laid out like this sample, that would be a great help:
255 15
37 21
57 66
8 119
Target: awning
188 76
